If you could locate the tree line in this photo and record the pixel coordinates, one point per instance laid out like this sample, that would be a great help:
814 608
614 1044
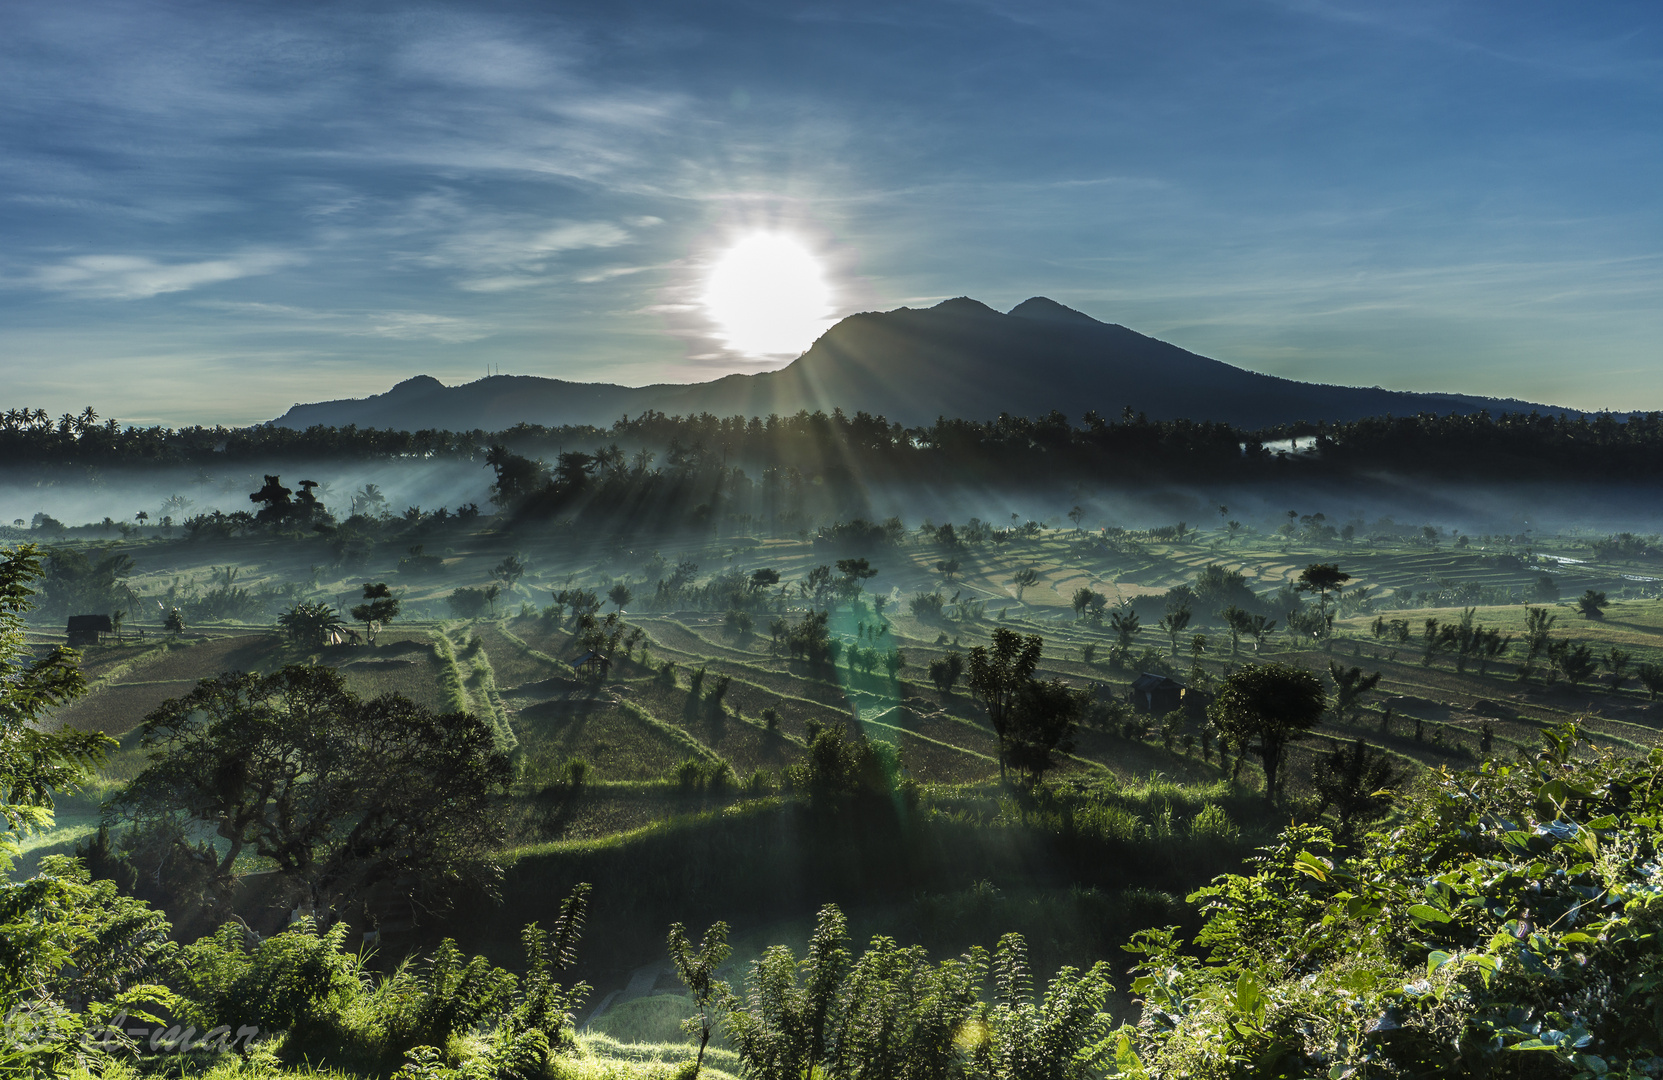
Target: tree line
837 446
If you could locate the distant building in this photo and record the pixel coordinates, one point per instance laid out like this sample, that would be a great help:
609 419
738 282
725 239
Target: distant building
1156 694
89 629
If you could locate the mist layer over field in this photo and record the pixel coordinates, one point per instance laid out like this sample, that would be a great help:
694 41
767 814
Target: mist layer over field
1516 507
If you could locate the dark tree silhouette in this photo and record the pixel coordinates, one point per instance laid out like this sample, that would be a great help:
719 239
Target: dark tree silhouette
1322 579
1592 604
1273 704
274 501
999 674
379 608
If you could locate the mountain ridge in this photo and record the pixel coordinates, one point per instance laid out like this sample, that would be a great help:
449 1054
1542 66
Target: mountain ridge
959 358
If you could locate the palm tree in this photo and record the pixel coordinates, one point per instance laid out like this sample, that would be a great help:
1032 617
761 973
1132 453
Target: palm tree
1176 619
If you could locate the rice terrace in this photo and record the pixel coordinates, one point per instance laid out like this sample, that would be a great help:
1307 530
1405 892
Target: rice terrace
921 541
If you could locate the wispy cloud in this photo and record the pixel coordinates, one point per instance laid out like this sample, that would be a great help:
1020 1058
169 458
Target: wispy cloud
507 258
137 277
416 326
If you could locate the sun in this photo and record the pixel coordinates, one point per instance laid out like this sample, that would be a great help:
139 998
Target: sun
768 295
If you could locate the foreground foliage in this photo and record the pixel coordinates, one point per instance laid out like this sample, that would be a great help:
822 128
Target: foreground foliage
894 1014
1509 929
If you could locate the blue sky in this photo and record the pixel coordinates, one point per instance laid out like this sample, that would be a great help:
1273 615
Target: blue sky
211 211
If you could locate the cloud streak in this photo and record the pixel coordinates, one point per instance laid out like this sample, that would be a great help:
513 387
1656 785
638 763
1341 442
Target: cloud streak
139 277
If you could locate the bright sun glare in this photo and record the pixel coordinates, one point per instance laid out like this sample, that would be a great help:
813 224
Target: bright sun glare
769 296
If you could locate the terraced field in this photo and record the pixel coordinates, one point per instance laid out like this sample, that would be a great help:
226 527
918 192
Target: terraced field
633 768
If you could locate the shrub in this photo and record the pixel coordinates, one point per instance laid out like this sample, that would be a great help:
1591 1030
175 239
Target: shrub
927 607
1516 947
1213 823
467 603
738 623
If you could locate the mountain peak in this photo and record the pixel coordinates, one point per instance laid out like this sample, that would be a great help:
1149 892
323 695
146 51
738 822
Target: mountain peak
1045 309
417 384
964 305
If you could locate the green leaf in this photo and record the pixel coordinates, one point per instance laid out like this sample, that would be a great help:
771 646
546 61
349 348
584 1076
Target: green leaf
1311 866
1426 913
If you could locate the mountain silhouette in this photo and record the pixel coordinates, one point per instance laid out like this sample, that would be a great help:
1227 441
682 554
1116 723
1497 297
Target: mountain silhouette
959 358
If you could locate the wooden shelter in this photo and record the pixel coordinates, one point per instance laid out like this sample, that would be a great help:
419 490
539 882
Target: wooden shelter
591 662
1156 694
88 629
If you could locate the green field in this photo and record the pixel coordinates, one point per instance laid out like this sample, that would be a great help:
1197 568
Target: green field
680 808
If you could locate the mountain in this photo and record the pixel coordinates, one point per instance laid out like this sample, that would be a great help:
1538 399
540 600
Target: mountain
959 358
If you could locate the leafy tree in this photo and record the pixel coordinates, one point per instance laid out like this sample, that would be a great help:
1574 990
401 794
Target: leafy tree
1044 719
999 674
1355 782
765 578
1238 622
1616 661
1173 624
620 595
1089 604
1322 579
466 603
1024 579
1062 1036
34 762
1546 590
517 478
74 952
947 568
309 624
77 581
1537 623
340 793
784 1028
326 1003
945 672
307 506
1272 703
810 640
1592 604
1124 623
1651 677
894 1014
1350 684
1576 662
697 969
856 572
817 586
379 608
369 501
174 622
1309 943
275 502
509 572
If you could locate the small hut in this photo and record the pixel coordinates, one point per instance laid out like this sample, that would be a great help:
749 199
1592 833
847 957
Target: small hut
1156 694
88 629
592 662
